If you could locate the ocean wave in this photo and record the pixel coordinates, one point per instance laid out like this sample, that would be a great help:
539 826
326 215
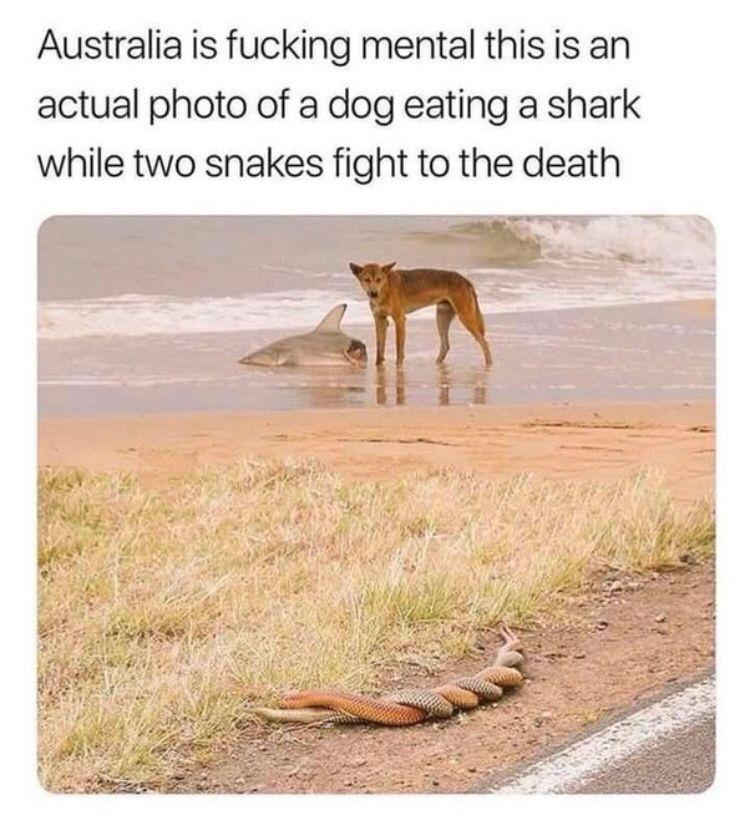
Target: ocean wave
666 242
518 264
144 315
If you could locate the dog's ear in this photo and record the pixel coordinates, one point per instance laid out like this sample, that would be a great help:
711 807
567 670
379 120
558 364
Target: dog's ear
356 269
389 267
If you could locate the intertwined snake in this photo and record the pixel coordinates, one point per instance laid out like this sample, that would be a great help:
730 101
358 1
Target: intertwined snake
409 706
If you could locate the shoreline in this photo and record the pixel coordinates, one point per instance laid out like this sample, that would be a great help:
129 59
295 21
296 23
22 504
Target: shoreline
661 351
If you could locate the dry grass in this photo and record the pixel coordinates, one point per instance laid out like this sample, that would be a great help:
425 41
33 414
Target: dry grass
159 611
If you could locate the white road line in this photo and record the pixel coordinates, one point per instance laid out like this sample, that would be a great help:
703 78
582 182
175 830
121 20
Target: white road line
586 759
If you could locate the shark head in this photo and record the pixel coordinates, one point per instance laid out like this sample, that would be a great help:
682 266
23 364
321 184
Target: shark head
356 353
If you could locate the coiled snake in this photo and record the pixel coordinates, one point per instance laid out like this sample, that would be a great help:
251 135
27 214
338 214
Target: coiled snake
409 706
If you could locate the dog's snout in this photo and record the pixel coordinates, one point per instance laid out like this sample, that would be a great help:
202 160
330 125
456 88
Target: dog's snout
372 293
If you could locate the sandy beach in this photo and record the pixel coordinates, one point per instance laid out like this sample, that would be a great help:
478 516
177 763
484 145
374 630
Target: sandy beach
594 441
151 315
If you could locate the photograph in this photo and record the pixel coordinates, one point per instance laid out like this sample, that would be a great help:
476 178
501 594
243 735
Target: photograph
376 504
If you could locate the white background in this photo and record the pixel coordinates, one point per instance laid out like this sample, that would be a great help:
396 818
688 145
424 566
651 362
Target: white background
687 156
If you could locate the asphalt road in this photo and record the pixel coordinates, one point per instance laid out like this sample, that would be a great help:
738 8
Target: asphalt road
681 763
663 748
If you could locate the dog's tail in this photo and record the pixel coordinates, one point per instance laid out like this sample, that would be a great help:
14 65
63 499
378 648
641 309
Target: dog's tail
480 317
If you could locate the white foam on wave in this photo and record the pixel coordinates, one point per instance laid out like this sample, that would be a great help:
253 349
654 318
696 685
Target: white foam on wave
145 315
674 242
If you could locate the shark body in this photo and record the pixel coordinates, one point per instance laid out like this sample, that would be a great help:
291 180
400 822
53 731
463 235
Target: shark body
327 344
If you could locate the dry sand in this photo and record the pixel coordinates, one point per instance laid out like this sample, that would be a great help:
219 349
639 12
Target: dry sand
602 440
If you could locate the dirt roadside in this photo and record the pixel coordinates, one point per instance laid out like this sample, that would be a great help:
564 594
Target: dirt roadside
626 637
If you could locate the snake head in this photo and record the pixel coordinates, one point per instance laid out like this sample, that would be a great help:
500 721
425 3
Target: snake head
511 643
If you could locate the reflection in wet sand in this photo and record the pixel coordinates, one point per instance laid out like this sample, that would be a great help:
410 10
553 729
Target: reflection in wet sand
451 385
471 386
383 382
324 387
342 387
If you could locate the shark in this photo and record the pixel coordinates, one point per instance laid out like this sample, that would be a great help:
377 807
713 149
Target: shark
327 344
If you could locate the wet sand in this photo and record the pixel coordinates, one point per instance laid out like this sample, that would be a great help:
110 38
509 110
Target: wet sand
578 441
647 352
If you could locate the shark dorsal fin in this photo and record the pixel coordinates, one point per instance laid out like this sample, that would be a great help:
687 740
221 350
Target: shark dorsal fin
331 322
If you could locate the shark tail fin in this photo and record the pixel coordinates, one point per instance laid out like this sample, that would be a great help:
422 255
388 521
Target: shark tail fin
331 322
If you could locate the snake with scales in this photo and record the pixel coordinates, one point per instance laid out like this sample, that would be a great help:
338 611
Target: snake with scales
408 706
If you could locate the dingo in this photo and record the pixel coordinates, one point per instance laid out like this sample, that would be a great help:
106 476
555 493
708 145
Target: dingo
397 292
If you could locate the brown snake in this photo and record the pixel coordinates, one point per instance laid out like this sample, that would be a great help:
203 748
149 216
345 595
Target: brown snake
409 706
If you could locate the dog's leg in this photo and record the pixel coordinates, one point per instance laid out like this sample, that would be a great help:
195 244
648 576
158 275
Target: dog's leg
484 344
471 318
381 325
443 317
400 338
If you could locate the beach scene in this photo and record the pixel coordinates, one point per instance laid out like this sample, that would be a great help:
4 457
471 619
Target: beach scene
214 535
150 314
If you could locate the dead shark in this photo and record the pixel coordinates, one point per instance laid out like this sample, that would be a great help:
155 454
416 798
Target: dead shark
326 345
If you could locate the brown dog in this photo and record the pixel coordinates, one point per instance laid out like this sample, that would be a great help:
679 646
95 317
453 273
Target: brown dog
397 292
